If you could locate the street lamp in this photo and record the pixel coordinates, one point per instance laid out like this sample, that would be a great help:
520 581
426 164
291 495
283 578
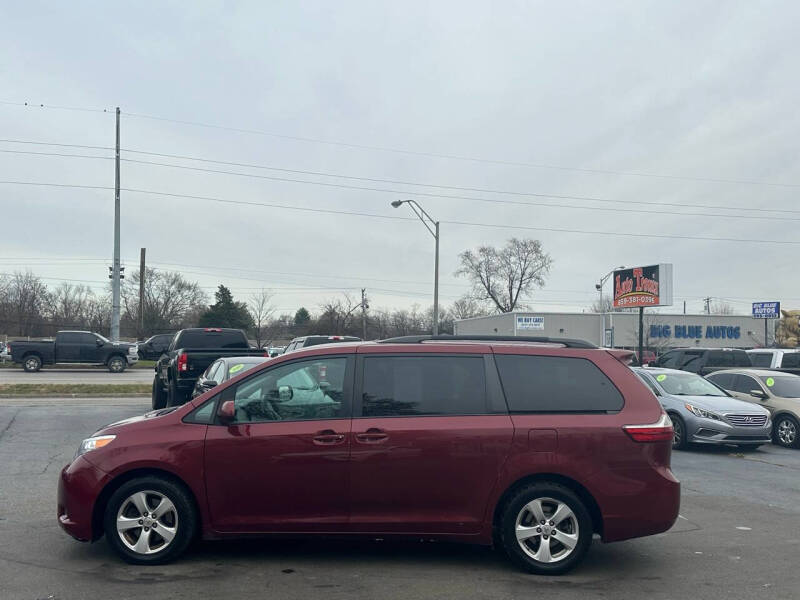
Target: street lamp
433 227
599 288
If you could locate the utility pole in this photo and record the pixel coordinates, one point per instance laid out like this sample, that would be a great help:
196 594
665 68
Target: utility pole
708 305
684 307
141 291
115 271
364 307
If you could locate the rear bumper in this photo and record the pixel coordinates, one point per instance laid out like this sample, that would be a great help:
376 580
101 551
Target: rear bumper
638 503
78 488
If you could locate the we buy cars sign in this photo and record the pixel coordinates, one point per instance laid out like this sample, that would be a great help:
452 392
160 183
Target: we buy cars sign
643 286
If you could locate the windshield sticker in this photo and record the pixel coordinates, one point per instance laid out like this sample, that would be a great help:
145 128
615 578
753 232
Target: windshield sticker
661 378
235 369
770 382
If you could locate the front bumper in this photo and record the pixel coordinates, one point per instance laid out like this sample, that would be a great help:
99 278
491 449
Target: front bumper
79 486
711 431
132 358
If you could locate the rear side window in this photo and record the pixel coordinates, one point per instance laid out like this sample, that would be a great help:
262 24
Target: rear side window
211 339
423 385
556 384
669 360
791 360
728 358
761 359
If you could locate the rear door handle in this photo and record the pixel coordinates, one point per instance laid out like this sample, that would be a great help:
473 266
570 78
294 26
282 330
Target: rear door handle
328 436
372 435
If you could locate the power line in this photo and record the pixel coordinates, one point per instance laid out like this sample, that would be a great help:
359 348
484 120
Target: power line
397 218
407 152
418 184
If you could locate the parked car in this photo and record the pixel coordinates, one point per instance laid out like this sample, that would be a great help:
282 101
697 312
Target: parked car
533 444
703 360
702 413
190 353
315 340
155 346
787 360
274 351
223 369
777 392
74 347
648 356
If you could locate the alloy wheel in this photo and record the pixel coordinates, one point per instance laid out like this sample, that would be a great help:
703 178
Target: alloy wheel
787 432
547 530
116 365
147 522
677 439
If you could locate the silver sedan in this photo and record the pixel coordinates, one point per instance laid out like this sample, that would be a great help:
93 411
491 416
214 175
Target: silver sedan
703 413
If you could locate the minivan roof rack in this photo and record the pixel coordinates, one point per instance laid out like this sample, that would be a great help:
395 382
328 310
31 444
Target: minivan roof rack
417 339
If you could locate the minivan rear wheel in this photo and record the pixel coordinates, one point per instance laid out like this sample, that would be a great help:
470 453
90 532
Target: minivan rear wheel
546 529
150 520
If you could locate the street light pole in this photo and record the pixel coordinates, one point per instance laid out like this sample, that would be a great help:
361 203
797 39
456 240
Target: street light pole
599 287
433 227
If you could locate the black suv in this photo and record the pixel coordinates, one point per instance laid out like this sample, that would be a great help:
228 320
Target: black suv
155 346
703 360
315 340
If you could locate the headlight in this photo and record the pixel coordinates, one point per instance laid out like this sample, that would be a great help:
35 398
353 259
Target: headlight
93 443
701 412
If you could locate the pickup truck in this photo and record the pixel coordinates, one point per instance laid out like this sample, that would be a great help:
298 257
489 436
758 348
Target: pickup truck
74 347
188 356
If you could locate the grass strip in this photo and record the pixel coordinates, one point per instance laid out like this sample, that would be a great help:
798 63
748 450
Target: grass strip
40 390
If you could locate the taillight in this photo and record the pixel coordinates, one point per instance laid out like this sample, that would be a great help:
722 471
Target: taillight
660 431
183 362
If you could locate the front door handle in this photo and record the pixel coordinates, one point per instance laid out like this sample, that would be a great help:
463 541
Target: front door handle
373 435
327 437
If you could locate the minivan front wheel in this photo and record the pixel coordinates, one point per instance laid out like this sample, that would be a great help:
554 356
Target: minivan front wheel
150 520
546 529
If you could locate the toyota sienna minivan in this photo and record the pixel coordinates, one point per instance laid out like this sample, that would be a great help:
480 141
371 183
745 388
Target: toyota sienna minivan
529 444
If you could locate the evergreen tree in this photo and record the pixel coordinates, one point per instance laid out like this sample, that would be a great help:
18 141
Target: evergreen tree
301 317
226 312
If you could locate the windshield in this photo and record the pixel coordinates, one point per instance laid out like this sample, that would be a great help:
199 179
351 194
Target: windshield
785 386
687 384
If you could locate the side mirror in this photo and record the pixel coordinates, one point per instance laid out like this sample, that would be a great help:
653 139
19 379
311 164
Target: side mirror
227 412
760 394
210 383
99 343
285 393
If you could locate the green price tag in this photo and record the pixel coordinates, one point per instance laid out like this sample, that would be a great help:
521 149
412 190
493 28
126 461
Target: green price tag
235 369
661 377
770 382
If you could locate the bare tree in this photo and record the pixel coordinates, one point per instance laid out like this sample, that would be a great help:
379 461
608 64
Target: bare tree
170 300
27 298
261 311
70 305
505 276
338 314
721 307
468 307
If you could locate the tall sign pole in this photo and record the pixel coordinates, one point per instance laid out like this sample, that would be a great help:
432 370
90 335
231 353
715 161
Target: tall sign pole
142 272
115 271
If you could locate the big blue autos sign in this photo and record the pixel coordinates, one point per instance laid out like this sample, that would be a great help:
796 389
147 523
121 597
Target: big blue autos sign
696 332
766 310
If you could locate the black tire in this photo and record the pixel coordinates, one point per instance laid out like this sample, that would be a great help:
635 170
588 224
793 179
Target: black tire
183 525
786 432
679 441
116 363
579 524
158 396
175 396
32 363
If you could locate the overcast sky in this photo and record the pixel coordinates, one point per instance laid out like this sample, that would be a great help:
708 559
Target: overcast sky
696 91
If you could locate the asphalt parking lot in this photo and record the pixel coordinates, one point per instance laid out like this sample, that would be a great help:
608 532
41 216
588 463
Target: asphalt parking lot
738 537
99 376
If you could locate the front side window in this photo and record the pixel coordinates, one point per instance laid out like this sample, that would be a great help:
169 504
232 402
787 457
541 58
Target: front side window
691 361
791 360
669 360
723 380
761 359
744 384
785 386
556 384
299 391
423 385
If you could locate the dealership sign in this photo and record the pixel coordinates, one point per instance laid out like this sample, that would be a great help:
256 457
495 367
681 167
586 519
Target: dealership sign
767 310
643 286
530 322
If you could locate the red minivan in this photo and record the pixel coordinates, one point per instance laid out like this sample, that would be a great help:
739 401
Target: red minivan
531 444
